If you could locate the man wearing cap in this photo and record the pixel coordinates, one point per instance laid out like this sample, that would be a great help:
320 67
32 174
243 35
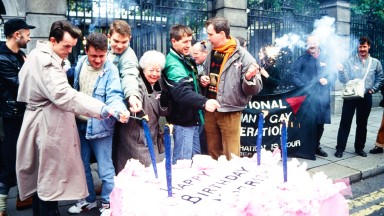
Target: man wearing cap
17 32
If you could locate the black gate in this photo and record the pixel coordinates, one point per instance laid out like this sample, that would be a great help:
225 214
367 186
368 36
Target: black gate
270 22
150 20
371 27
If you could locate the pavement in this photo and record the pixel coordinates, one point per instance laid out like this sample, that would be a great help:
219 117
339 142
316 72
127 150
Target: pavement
351 166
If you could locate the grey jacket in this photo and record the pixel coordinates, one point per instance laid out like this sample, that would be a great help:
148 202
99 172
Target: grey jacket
128 66
234 91
354 68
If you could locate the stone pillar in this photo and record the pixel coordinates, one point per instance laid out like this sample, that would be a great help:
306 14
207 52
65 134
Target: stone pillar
340 10
236 13
42 13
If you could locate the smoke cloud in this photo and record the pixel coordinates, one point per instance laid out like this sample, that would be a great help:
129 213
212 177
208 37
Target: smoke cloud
335 46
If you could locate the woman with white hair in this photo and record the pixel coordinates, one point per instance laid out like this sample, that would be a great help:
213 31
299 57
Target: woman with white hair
130 140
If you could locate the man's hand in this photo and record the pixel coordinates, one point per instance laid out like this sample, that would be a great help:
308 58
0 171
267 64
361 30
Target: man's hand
323 81
124 116
135 104
264 72
252 71
204 80
339 67
211 105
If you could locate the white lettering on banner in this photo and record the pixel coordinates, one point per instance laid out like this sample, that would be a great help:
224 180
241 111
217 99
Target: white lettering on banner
248 118
276 118
292 144
262 105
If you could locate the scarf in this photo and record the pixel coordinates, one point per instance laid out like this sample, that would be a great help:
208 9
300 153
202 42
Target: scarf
228 49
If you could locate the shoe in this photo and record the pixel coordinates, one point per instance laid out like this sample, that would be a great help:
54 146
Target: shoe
81 206
339 154
3 204
361 153
376 150
21 205
105 210
321 152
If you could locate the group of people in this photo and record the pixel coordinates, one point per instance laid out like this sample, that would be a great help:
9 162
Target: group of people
62 124
53 127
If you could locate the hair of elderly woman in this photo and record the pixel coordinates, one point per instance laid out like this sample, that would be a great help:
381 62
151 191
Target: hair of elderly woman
152 57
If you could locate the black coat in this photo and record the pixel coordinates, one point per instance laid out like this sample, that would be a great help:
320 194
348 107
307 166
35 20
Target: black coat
306 70
270 84
10 65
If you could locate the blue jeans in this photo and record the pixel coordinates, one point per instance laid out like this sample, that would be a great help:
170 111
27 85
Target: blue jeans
186 142
102 148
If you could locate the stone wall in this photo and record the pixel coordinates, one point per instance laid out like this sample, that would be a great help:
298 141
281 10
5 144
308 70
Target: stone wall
40 13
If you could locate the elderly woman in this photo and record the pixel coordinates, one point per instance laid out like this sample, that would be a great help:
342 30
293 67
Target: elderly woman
130 139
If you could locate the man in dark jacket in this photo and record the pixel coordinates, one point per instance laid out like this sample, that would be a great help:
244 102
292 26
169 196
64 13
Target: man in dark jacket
187 104
313 67
11 59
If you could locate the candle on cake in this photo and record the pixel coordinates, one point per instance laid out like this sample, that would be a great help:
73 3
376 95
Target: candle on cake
260 125
284 148
151 149
168 159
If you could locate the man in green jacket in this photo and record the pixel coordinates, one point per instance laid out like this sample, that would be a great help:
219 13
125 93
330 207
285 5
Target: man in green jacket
180 73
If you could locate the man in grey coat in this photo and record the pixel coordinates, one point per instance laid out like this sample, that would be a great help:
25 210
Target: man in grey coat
234 77
48 161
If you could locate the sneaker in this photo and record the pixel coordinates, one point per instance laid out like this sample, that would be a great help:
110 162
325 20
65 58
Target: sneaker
3 204
105 210
81 206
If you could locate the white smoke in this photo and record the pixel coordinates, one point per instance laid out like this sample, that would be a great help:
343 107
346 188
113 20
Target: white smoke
335 46
331 44
290 41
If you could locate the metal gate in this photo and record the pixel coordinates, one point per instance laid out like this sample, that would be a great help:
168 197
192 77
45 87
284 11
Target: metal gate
150 20
371 27
270 22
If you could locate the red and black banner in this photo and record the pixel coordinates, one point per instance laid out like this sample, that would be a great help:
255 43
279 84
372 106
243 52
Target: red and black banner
298 107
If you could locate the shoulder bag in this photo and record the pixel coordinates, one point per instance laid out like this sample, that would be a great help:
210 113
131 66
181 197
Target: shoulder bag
355 89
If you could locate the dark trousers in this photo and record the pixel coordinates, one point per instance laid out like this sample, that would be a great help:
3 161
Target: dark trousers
363 109
44 208
319 134
11 127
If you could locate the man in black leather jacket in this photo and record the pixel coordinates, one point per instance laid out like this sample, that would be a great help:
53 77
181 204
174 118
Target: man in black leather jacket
11 59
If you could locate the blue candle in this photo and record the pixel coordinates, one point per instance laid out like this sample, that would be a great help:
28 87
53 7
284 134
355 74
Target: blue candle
148 137
284 149
168 159
260 125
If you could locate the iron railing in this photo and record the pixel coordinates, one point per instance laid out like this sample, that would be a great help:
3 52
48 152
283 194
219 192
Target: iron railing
371 27
150 20
269 24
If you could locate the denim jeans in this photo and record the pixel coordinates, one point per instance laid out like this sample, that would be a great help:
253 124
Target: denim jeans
102 148
186 142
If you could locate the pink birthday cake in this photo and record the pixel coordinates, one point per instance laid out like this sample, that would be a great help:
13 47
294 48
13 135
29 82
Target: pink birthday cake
208 187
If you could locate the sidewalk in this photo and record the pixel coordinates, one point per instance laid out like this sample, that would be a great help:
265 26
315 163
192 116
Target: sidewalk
349 166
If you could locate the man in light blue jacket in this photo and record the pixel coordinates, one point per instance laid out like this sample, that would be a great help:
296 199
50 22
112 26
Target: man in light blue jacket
99 78
355 68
